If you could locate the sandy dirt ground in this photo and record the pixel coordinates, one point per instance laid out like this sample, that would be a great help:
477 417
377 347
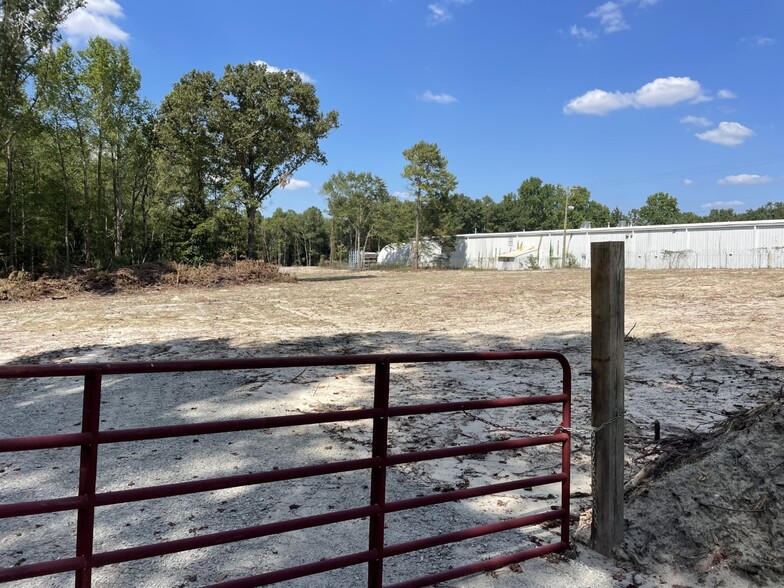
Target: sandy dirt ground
701 344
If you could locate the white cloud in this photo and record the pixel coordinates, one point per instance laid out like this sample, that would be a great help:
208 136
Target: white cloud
272 69
729 134
295 184
726 94
438 14
759 41
745 179
610 17
667 91
699 121
723 204
105 7
659 92
428 96
688 182
598 102
94 19
581 33
402 195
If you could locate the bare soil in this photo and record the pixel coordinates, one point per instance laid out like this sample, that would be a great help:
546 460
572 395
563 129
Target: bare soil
702 345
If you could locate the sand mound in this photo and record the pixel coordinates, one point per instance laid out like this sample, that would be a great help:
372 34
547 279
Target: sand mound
714 501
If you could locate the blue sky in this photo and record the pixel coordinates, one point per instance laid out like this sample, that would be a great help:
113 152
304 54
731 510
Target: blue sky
627 97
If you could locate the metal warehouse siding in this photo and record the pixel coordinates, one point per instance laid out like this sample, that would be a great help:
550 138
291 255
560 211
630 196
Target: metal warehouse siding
748 244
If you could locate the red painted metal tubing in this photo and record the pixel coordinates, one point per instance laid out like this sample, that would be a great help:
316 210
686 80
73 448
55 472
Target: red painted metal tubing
414 456
44 442
212 427
43 568
91 437
177 545
309 569
407 410
441 498
35 507
81 369
471 533
483 566
182 488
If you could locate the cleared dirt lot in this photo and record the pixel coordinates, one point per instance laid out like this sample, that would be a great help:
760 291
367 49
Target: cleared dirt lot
739 310
701 343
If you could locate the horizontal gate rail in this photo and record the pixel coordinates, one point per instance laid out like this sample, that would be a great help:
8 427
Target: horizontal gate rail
91 437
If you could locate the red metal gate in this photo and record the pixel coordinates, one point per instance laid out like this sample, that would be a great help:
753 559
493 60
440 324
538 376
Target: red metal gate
92 437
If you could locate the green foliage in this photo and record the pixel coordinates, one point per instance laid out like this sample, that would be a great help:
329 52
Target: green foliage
720 215
289 238
93 175
770 211
660 209
267 125
538 206
571 261
27 28
359 205
474 215
186 157
532 262
431 186
599 215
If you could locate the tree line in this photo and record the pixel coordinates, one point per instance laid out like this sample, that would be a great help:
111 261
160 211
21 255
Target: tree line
94 175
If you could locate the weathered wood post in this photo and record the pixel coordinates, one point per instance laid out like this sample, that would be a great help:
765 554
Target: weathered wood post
607 391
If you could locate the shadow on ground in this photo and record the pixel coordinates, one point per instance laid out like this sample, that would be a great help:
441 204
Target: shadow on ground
333 278
686 387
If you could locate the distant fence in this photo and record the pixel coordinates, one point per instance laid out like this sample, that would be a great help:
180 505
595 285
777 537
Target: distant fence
91 437
361 259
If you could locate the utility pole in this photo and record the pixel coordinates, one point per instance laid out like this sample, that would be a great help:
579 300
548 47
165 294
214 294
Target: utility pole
567 208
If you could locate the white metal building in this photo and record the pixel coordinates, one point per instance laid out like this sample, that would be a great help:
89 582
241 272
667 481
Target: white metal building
743 244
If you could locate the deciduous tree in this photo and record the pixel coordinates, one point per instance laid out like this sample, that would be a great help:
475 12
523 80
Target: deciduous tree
359 202
268 125
659 209
188 151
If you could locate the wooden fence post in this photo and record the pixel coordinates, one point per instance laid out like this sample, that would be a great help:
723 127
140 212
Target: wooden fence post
607 391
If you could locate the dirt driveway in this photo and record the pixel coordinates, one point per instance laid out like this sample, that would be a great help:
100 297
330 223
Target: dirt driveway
701 343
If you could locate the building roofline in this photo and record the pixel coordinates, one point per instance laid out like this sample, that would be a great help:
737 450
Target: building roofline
637 228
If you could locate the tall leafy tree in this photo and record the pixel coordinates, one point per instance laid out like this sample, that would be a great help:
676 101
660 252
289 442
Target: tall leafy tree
769 211
431 184
61 103
113 84
599 215
659 209
311 230
358 202
531 208
188 153
720 215
27 28
268 125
